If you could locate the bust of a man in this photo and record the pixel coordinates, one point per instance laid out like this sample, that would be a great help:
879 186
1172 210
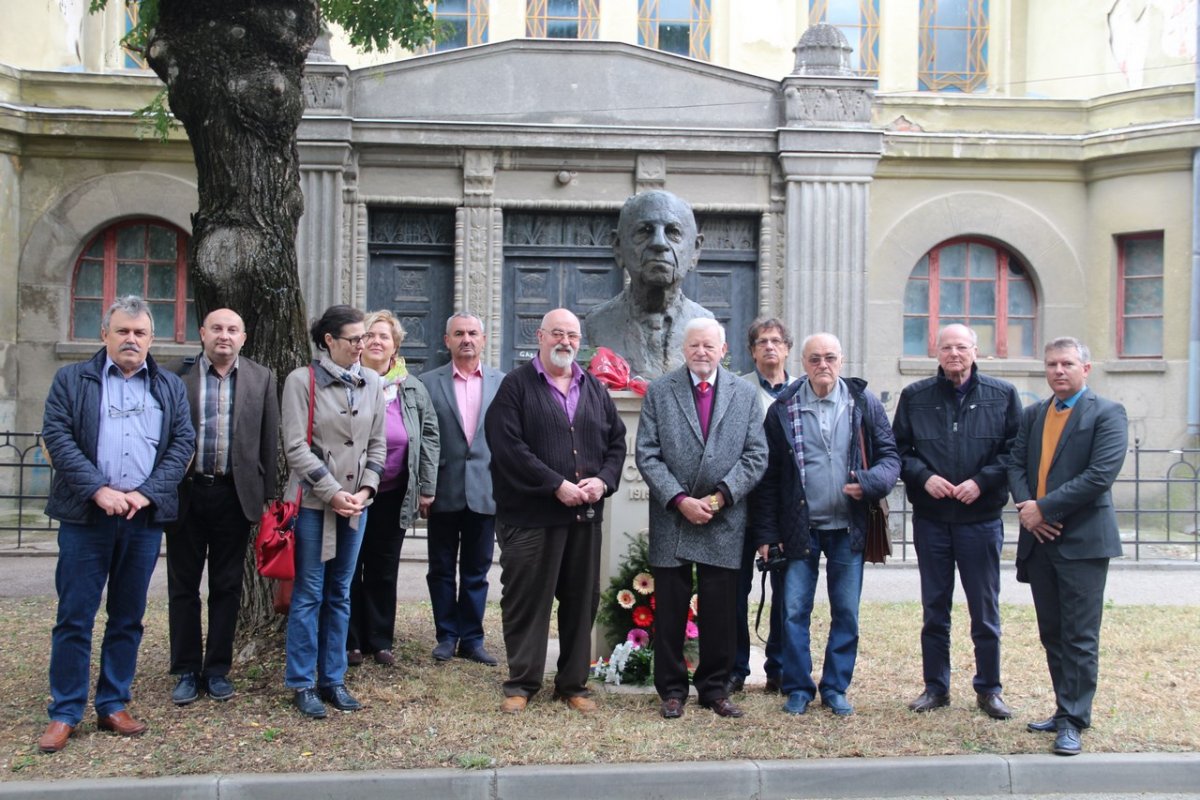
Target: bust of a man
656 242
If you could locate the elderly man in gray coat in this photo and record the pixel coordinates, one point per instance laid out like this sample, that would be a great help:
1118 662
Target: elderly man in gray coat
701 450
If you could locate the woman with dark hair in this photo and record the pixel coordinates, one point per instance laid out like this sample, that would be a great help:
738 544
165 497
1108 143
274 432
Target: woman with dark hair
338 473
405 490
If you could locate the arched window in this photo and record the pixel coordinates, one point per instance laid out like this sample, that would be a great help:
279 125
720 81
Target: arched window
143 257
562 19
977 283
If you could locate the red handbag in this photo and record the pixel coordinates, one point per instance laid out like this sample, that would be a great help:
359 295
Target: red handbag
275 546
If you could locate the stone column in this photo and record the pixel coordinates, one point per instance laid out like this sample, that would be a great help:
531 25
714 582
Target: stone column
479 248
326 168
828 152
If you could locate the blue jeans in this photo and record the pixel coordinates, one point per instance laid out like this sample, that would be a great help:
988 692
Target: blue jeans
320 615
121 553
843 574
975 548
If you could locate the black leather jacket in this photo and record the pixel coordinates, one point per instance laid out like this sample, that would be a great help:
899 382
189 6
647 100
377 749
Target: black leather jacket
938 436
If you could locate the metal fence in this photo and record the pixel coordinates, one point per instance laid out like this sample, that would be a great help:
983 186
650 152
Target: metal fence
1157 499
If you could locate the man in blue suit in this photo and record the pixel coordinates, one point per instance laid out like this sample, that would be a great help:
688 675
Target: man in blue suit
1067 454
462 518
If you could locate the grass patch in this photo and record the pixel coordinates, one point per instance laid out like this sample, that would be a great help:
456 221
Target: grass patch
427 714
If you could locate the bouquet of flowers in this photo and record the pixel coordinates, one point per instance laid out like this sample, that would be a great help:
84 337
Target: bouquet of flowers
627 610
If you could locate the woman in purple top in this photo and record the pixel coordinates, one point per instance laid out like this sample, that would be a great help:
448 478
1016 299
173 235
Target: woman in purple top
406 489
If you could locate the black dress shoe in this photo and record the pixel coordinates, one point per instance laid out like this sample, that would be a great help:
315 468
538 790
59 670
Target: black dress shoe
339 698
354 657
1046 725
186 690
993 705
928 701
773 685
672 708
219 688
723 707
308 704
476 654
735 684
444 650
1067 743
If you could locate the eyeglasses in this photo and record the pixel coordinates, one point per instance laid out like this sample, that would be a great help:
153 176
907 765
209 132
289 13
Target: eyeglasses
122 413
828 358
353 341
559 333
774 340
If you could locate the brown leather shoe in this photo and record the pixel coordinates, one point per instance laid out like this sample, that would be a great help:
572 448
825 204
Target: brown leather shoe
514 704
121 723
584 705
385 658
354 658
55 737
723 707
672 708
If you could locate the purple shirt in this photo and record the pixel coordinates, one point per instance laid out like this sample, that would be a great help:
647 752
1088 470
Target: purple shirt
570 400
397 444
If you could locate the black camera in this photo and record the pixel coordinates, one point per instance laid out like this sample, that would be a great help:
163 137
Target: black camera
773 561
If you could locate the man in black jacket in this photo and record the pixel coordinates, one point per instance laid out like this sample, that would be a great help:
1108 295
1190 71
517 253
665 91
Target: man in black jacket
952 431
558 447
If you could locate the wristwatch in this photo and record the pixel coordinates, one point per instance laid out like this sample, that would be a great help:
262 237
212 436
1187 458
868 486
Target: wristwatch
713 504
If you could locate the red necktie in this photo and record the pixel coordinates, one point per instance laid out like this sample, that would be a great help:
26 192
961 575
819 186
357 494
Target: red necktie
704 407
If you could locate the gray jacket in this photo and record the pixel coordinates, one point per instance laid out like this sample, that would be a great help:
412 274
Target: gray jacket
421 424
674 457
348 446
464 473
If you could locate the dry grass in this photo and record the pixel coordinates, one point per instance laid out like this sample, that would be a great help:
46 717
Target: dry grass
425 714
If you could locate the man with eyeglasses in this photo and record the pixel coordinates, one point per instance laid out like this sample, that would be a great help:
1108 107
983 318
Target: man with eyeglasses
813 500
558 447
117 431
953 431
235 411
657 244
770 342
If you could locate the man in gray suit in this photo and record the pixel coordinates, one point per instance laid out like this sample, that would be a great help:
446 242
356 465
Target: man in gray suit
462 518
235 411
701 450
1067 454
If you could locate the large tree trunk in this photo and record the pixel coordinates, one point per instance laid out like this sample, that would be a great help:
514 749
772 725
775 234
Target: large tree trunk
232 70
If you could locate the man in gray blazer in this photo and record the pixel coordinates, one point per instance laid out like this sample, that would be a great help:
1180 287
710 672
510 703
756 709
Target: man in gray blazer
235 411
701 450
462 518
1067 454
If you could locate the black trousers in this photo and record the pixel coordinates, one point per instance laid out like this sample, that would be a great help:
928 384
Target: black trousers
214 530
373 584
1068 596
716 619
537 567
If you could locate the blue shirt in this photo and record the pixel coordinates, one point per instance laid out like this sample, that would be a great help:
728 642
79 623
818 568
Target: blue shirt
130 426
826 423
1070 401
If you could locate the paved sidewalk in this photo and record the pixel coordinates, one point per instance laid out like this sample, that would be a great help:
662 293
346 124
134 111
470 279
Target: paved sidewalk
1096 777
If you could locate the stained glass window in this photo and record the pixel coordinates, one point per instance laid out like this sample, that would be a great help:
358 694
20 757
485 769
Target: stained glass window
858 20
676 26
562 19
953 47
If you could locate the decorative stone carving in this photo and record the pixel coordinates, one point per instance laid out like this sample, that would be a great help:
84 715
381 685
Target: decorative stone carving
479 177
651 171
822 89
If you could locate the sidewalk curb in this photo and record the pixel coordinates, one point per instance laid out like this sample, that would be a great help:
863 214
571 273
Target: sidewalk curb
763 780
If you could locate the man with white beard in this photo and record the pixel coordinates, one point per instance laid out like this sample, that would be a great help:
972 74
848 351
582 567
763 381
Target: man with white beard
558 446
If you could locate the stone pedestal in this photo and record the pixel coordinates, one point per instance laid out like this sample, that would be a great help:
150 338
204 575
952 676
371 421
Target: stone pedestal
627 511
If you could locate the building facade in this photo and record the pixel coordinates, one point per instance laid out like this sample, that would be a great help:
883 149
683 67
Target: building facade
1023 167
